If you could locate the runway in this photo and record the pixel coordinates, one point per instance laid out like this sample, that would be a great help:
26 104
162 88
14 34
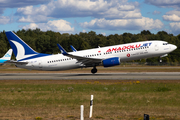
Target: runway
89 76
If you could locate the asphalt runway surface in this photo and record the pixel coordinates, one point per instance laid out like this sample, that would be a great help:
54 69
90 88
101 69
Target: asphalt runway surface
89 76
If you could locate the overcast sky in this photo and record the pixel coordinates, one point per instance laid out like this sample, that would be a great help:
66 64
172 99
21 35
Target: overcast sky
102 16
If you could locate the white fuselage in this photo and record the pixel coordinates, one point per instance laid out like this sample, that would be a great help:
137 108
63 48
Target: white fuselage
126 52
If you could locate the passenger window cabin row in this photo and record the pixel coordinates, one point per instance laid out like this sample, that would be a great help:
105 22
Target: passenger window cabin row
93 55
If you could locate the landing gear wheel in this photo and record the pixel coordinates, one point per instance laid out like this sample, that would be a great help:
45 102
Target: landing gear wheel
94 70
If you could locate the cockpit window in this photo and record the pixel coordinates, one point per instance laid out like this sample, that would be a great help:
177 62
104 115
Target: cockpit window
165 43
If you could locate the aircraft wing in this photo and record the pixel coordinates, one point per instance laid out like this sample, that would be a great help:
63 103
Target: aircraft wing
83 60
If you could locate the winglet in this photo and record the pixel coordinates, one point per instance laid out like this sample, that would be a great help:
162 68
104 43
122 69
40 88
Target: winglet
73 49
63 51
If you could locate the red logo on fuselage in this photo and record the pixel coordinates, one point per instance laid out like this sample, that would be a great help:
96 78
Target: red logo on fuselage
128 55
123 48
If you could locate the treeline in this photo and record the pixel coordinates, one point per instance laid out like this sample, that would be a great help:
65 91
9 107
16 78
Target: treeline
46 42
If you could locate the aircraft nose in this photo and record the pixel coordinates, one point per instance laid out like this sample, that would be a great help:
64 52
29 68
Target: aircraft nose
173 47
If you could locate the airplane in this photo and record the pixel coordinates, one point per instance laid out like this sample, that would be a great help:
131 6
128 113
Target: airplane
102 56
6 57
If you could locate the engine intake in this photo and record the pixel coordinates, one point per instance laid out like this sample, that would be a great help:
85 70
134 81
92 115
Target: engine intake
111 62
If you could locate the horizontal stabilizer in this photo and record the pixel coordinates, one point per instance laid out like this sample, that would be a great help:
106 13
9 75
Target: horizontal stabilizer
15 62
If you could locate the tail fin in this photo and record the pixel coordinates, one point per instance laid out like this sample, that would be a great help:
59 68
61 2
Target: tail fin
7 56
20 48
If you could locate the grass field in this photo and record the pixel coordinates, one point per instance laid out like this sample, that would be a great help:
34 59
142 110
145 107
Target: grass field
113 99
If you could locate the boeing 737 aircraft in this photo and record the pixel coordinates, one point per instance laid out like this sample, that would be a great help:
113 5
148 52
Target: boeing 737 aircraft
106 56
6 57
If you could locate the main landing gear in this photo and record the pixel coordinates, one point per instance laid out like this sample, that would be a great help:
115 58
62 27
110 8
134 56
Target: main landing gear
94 70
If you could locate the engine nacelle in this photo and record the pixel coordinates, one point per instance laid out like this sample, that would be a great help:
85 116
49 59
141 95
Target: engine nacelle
111 62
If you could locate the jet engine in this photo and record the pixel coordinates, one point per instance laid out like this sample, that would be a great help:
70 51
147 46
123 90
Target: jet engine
111 62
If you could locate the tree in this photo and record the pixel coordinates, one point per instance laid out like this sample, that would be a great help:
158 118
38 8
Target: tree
43 44
46 42
145 32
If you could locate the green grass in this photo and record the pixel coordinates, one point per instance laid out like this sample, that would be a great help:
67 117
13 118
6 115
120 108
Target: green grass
112 100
